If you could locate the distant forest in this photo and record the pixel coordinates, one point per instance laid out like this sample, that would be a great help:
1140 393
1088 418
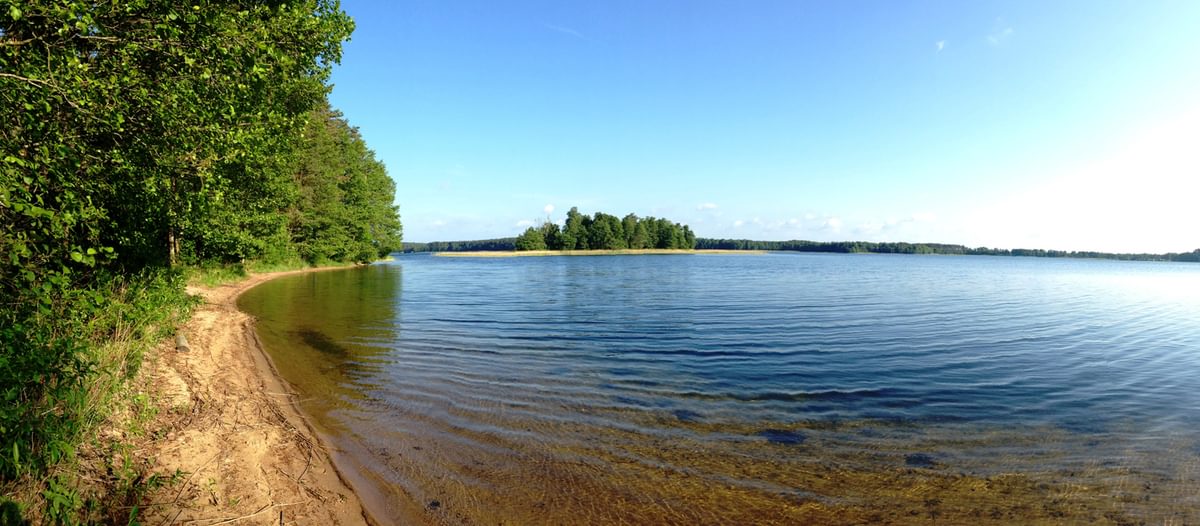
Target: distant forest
844 247
602 231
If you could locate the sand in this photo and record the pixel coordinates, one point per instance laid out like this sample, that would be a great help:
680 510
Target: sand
228 424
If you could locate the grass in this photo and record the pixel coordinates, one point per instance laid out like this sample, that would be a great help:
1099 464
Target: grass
617 252
72 460
212 275
65 477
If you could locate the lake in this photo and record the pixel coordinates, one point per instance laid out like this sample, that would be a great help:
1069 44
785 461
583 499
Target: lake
751 389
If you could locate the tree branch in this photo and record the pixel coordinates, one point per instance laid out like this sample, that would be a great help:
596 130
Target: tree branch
43 84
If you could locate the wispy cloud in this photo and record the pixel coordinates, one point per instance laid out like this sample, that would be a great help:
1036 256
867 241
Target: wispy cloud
738 223
893 225
565 30
941 44
524 223
1001 32
548 209
706 206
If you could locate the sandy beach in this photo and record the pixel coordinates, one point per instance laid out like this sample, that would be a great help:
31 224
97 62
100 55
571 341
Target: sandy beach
230 428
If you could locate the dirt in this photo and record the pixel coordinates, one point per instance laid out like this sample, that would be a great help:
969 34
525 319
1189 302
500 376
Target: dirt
228 430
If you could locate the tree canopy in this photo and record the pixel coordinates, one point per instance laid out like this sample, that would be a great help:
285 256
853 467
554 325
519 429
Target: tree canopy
602 231
136 135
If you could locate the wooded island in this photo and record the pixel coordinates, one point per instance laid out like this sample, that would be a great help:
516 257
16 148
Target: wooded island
602 231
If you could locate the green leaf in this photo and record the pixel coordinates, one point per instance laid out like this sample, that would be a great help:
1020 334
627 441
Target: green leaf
77 256
15 13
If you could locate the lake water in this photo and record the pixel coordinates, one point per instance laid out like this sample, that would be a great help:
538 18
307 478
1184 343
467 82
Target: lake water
751 389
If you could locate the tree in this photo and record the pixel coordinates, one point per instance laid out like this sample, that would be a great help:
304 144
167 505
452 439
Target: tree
641 236
575 232
343 209
552 236
601 236
606 232
531 239
629 228
602 231
135 134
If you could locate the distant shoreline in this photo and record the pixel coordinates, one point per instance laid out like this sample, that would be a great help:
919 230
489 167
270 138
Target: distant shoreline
502 247
615 252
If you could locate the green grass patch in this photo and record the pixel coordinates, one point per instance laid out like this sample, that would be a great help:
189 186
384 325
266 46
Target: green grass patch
213 275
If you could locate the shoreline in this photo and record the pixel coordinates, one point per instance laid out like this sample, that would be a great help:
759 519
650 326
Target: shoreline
614 252
243 453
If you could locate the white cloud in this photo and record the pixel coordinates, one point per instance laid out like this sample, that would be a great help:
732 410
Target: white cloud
548 209
941 44
524 223
1001 32
833 223
706 206
564 30
893 228
738 223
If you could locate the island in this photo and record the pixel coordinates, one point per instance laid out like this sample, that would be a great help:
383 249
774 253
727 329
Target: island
606 232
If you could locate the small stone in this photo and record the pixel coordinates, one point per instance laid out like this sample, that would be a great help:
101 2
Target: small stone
783 436
919 460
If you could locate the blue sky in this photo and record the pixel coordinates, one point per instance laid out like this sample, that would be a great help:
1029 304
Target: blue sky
1060 124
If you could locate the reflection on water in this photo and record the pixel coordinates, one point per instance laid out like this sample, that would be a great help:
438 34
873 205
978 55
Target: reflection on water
778 389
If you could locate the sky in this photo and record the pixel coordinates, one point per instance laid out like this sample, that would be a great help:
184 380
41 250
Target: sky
1070 125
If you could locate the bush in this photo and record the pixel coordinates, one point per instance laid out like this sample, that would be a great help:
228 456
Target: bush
62 360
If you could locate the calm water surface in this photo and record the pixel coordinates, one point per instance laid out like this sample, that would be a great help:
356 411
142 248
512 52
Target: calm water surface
752 389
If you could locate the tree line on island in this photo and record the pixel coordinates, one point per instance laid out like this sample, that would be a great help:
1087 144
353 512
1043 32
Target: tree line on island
839 247
603 231
139 139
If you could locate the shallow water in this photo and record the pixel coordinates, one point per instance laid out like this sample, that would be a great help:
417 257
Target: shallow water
765 389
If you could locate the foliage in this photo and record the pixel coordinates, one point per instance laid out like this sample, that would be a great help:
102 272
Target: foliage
58 370
606 232
138 134
924 248
344 211
580 232
491 245
641 235
531 239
